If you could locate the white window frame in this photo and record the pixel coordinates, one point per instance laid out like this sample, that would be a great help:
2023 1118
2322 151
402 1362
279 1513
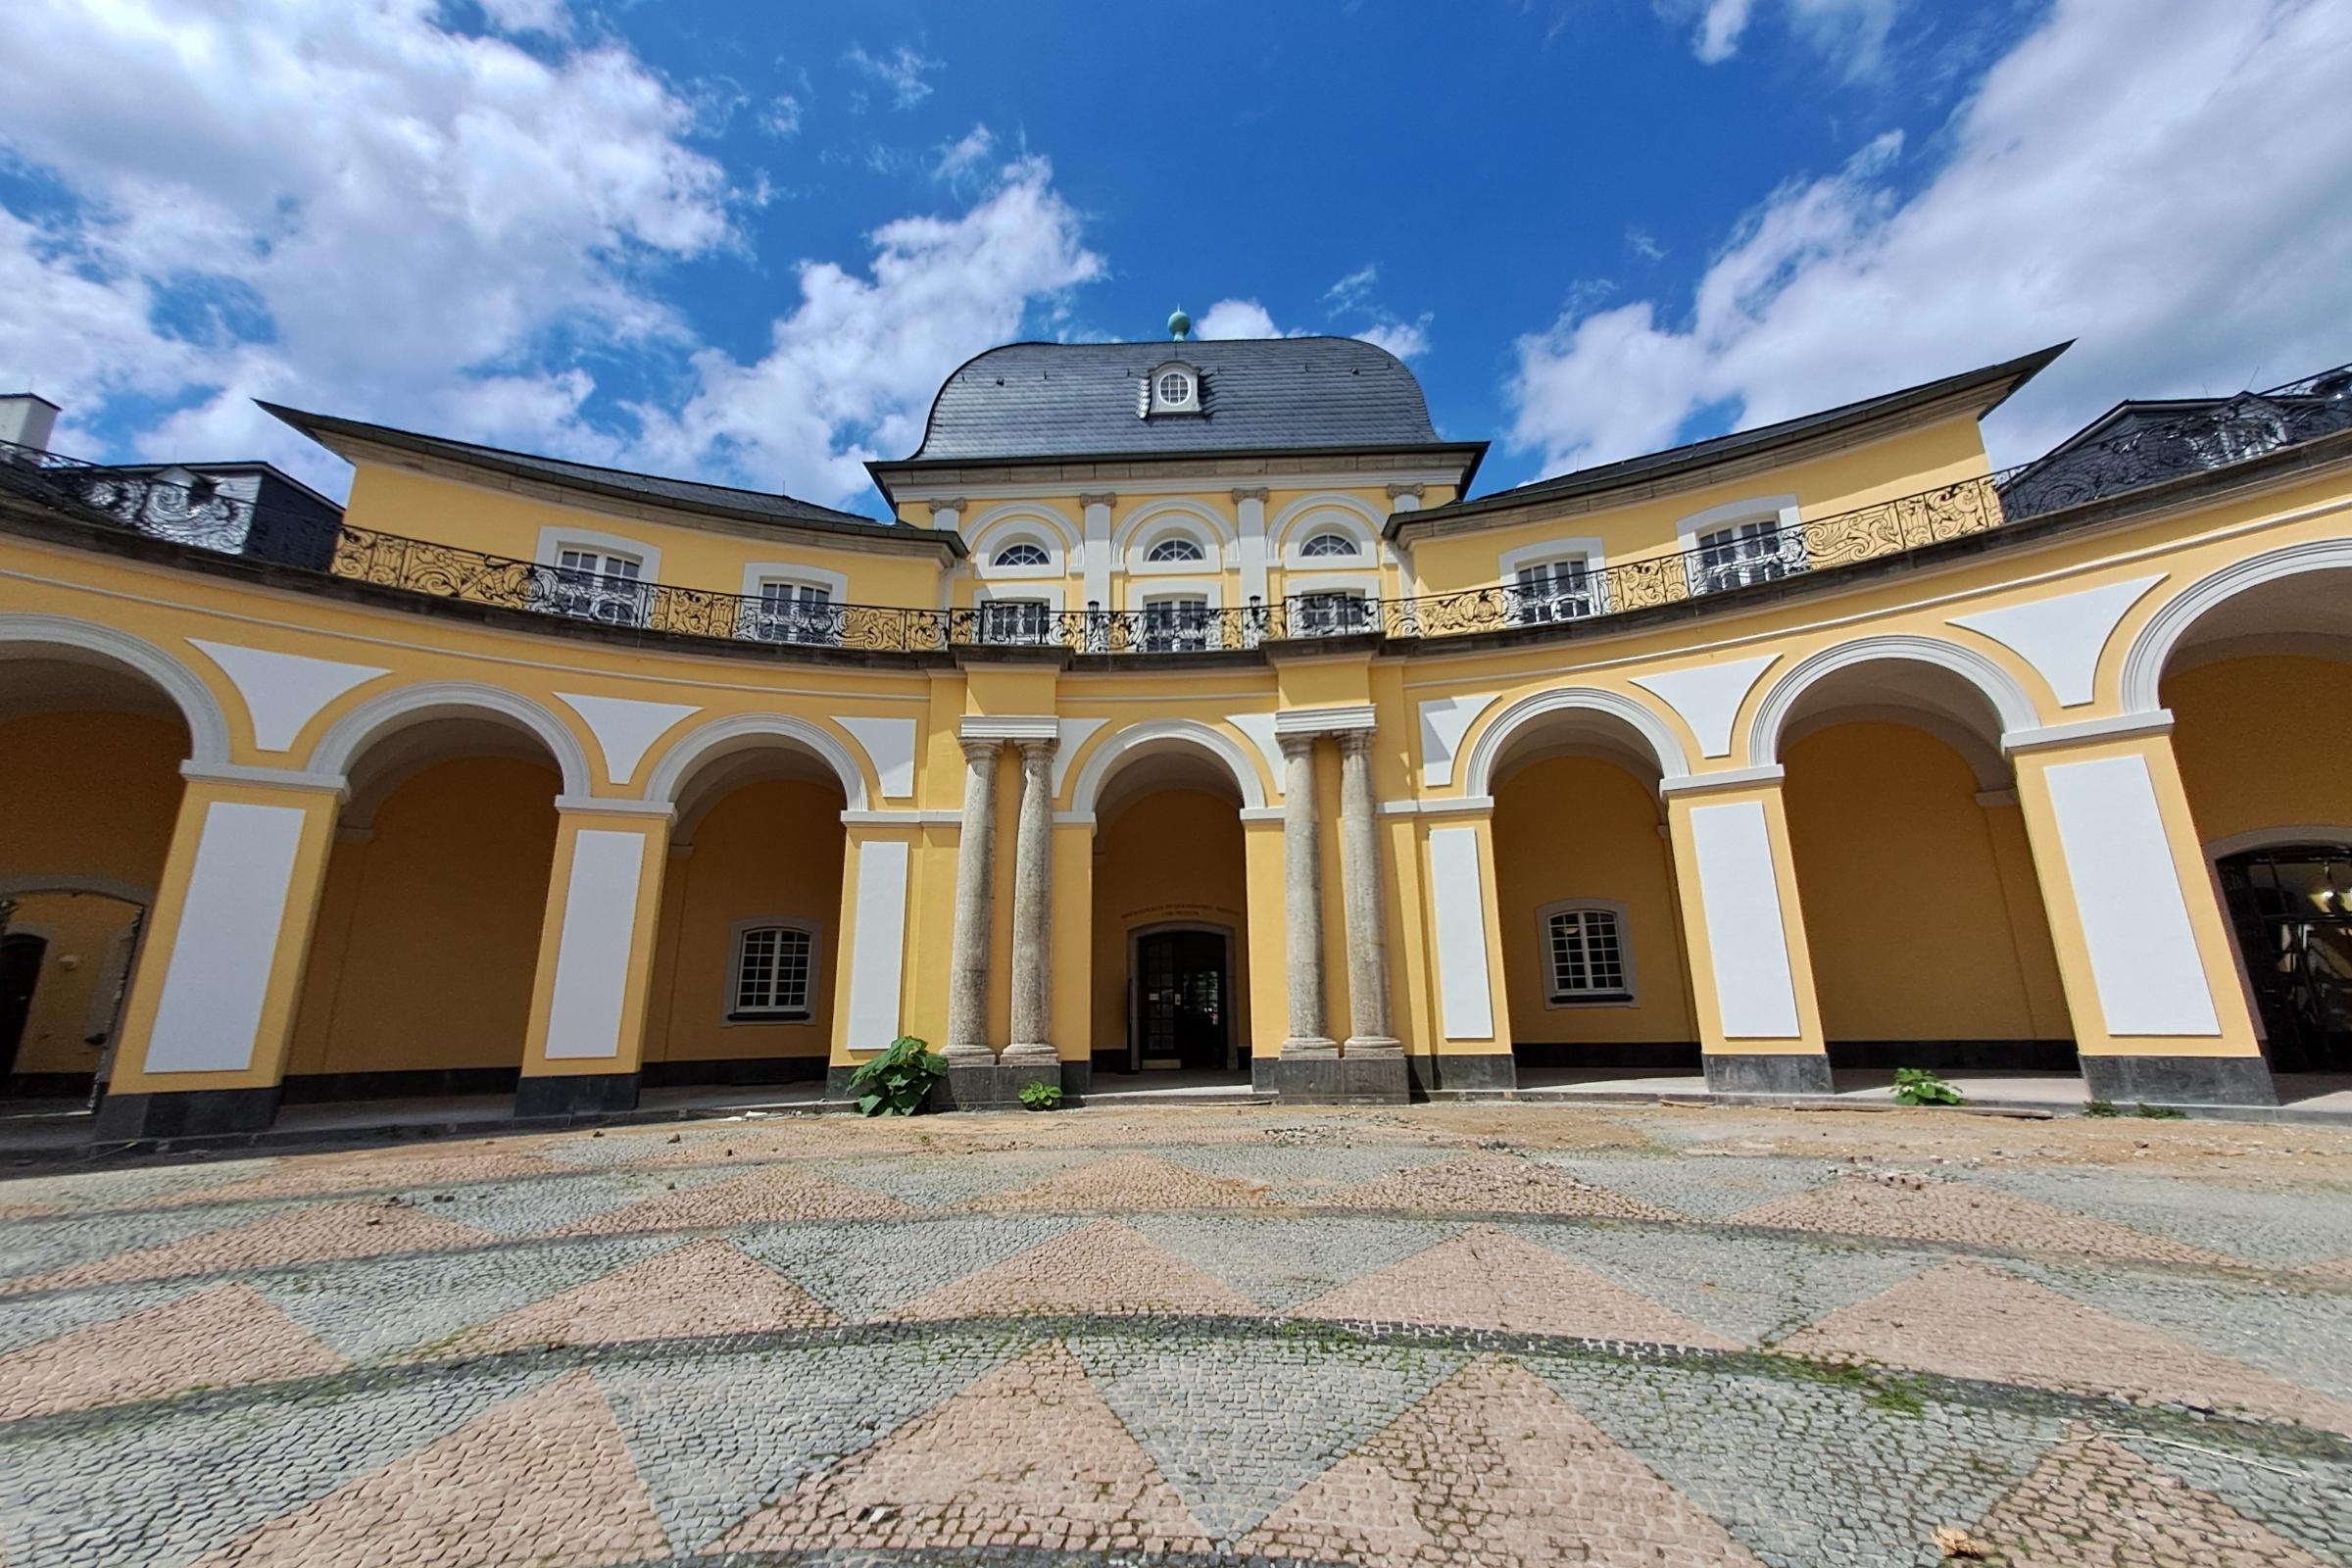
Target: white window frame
1001 568
732 1015
1155 405
1295 587
1176 525
1048 595
1208 590
1581 548
1022 522
1301 520
1779 513
760 575
1308 552
1627 996
554 540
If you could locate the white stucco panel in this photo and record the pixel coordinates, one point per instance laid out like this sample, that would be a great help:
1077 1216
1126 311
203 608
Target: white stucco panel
592 955
2061 636
1074 734
1465 994
2143 952
1746 943
890 746
1444 722
625 727
219 976
1260 728
283 690
877 944
1708 697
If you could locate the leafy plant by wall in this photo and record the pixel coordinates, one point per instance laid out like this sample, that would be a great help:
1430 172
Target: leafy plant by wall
897 1082
1923 1086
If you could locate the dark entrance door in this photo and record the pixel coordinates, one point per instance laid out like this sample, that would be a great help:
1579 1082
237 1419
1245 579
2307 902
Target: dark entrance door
2292 908
20 971
1183 993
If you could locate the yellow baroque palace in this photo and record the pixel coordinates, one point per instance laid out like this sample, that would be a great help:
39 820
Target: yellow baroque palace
1186 712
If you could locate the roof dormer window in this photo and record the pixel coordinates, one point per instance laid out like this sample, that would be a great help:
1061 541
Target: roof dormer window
1172 388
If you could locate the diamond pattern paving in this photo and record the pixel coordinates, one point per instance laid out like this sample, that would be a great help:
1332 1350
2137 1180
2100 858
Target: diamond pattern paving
1045 1341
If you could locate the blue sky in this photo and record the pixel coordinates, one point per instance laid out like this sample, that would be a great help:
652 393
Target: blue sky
745 241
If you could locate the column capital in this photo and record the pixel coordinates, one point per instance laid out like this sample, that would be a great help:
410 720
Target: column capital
979 749
1298 743
1355 742
1038 748
1098 497
1399 492
955 504
1250 492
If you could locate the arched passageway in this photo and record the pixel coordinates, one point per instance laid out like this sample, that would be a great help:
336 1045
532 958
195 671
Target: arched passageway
2255 685
1593 964
1930 945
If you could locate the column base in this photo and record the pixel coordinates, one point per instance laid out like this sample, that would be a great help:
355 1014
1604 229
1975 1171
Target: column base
1330 1080
1773 1074
187 1113
2180 1080
1309 1046
1371 1045
582 1094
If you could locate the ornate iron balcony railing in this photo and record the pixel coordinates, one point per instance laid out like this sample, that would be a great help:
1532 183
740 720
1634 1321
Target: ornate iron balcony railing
2144 451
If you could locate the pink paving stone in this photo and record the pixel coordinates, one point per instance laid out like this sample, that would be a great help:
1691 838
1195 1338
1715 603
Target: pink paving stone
1974 1216
1486 1278
372 1170
1126 1182
1493 1468
760 1194
1105 1268
1970 1320
2334 1269
703 1287
356 1229
2093 1504
1030 1451
543 1479
1492 1184
215 1337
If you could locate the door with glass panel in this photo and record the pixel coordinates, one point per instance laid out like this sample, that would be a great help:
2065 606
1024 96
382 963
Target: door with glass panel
796 613
1552 590
599 585
1175 624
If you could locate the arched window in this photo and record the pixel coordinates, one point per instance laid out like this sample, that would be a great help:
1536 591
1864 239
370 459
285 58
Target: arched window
1178 547
1024 553
773 962
1584 956
1328 544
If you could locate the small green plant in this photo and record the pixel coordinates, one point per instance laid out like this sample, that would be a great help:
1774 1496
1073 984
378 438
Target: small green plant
897 1082
2160 1113
2101 1108
1042 1096
1923 1086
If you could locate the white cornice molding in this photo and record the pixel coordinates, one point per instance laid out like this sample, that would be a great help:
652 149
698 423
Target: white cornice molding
1010 727
2116 727
612 806
1208 482
277 778
1325 720
1728 778
1450 805
901 819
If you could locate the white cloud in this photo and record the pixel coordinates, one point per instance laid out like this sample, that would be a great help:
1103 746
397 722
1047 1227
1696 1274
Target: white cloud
851 370
2100 183
1351 292
1405 339
1852 33
388 210
902 70
782 117
964 156
1644 244
1719 30
551 17
1237 318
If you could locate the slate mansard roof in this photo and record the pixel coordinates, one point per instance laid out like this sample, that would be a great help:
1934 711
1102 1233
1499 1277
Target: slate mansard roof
1085 400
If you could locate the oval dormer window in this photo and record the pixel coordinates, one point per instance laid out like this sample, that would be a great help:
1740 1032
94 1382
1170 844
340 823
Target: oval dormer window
1175 389
1177 549
1023 554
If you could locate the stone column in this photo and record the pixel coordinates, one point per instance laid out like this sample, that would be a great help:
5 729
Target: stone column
1302 901
975 906
1033 910
1368 1032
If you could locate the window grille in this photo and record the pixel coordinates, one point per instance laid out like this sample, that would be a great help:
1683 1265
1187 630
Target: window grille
1177 549
599 585
1585 954
1552 590
772 971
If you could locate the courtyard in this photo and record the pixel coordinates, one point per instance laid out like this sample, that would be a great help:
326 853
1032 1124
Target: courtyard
1491 1334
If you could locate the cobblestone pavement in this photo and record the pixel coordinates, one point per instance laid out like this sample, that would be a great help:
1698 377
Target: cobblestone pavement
1491 1335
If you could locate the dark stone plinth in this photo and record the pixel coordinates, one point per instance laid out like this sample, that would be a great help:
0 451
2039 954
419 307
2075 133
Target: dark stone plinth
2180 1080
584 1094
189 1113
1801 1073
1485 1074
1360 1080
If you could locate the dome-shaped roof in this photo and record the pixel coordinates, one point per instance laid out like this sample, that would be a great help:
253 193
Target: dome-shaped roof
1059 400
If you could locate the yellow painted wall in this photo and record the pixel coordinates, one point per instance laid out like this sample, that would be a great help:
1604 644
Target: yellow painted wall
770 849
87 936
2260 743
1171 855
1580 827
1904 904
428 934
89 794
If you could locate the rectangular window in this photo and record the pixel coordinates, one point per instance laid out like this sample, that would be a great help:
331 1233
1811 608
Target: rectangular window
1330 613
598 585
1585 956
1013 620
796 612
1552 590
1175 624
1745 553
771 972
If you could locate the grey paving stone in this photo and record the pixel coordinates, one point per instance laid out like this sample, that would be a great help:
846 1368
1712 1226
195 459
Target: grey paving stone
935 1181
2285 1228
100 1189
1280 1262
1757 1289
863 1270
2311 1504
161 1489
31 1319
1298 1175
1807 1474
38 1246
2302 1332
1703 1188
534 1204
1237 1427
715 1439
